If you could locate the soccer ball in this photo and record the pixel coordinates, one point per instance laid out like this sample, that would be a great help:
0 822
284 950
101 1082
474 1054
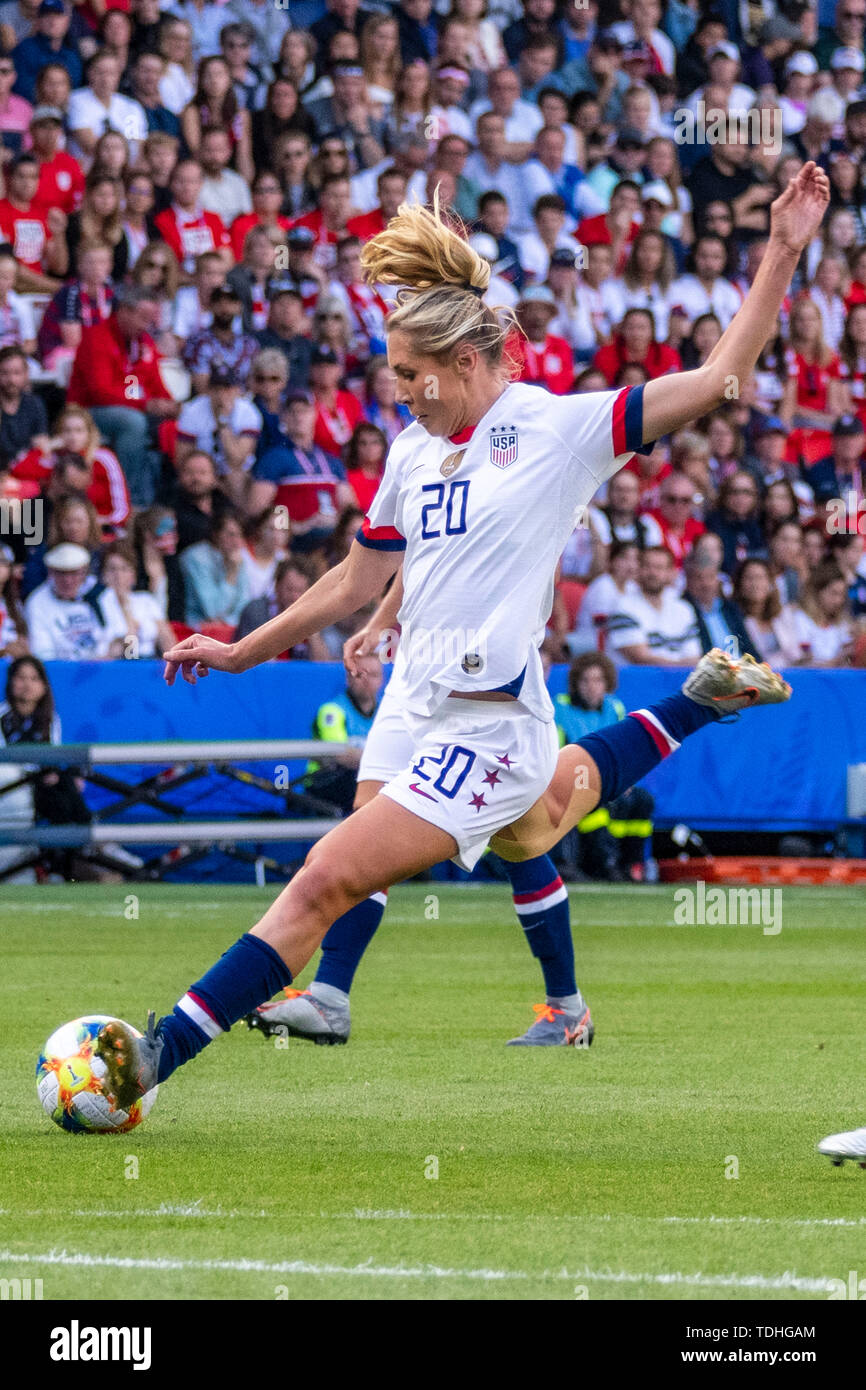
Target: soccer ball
69 1082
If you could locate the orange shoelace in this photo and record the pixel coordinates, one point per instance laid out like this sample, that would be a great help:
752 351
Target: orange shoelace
294 993
546 1012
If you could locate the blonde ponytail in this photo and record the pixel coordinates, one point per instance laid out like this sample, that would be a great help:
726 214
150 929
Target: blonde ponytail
442 282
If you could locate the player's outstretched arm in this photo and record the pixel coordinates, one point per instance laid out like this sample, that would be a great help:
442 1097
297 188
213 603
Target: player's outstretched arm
343 590
381 626
671 402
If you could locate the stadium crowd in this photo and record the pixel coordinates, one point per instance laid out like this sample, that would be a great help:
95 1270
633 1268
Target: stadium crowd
193 381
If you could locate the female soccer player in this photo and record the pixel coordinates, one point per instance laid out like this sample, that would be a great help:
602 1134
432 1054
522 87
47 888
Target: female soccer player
479 497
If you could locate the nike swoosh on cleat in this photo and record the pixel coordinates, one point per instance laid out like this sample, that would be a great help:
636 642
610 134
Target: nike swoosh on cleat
413 787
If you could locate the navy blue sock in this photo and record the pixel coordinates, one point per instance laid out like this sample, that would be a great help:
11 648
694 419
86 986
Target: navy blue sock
247 973
627 751
541 903
347 940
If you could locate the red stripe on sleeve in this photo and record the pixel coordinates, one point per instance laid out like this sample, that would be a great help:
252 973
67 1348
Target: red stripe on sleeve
618 423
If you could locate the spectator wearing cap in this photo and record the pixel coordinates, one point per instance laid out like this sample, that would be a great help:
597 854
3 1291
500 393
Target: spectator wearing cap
663 213
349 115
777 38
598 72
63 614
287 330
37 236
842 471
300 476
723 64
47 44
771 465
187 227
337 411
617 227
824 112
223 191
800 71
61 178
847 66
99 107
223 423
541 357
847 31
547 172
624 161
549 215
449 85
116 375
634 343
573 321
705 289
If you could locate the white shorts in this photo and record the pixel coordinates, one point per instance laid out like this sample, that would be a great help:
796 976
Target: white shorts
471 768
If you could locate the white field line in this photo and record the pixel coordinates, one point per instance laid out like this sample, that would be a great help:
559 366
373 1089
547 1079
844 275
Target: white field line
195 1210
787 1282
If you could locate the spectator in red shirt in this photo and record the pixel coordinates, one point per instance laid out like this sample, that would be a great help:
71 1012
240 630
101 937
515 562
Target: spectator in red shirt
116 375
328 222
87 467
61 178
617 227
391 187
337 411
365 462
635 342
267 199
185 226
37 237
673 514
542 358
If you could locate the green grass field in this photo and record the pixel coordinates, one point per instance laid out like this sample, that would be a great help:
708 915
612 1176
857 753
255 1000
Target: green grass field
302 1172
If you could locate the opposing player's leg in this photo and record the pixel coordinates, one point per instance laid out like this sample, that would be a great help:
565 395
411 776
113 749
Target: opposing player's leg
383 842
602 765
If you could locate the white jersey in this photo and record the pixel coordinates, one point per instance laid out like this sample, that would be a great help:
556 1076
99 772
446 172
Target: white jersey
483 519
670 630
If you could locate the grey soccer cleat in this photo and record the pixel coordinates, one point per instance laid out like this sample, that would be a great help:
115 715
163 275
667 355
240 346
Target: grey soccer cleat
728 685
131 1060
302 1015
851 1144
555 1028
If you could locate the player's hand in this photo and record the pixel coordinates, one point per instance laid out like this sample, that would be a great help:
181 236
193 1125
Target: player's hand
363 643
797 214
197 655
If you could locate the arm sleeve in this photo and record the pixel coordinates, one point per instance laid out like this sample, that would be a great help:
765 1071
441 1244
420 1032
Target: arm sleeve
602 428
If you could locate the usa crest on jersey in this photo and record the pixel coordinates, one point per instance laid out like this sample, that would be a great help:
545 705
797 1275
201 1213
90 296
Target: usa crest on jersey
503 446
